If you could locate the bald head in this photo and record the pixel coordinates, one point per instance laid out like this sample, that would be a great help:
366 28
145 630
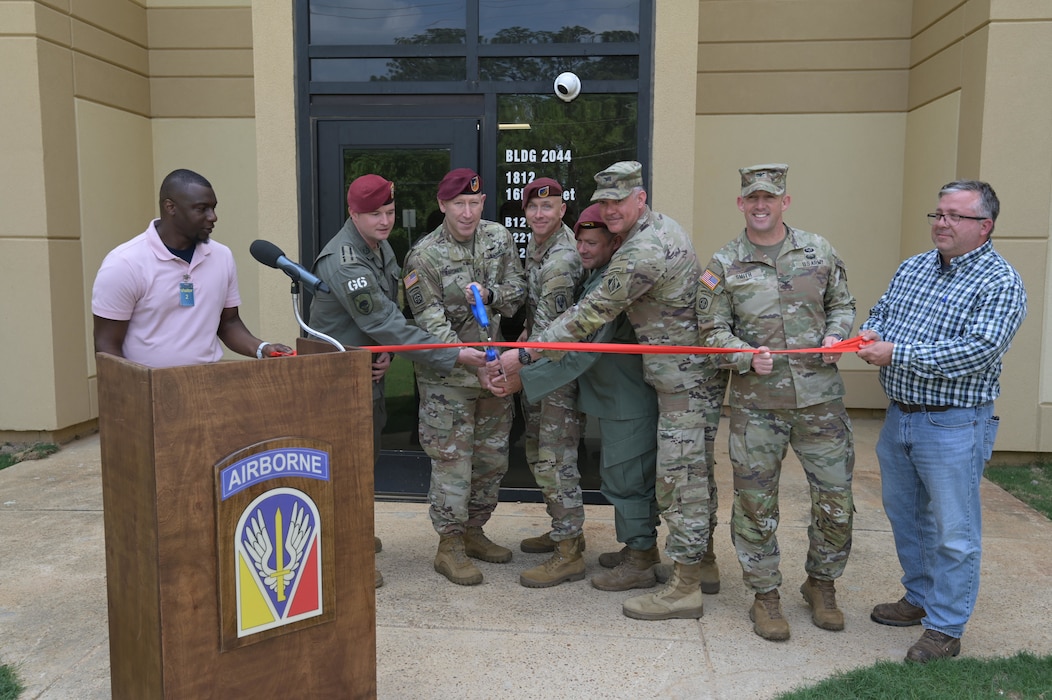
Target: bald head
177 181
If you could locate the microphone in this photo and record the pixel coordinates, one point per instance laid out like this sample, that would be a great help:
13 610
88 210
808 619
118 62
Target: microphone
272 256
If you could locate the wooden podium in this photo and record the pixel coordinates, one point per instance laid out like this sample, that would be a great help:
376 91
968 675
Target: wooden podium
238 507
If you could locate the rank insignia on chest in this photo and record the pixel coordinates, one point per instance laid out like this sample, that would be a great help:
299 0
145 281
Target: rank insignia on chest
347 255
364 303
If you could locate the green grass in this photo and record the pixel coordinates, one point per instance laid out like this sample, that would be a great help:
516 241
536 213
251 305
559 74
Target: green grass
13 454
398 387
399 378
1023 676
10 687
1031 484
1020 677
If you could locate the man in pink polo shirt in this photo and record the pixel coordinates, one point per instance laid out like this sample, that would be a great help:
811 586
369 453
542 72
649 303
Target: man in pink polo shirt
169 295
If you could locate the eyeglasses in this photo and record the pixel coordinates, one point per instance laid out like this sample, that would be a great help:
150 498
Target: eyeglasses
953 219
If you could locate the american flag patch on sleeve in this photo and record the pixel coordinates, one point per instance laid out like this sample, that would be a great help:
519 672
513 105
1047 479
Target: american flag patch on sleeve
710 280
410 279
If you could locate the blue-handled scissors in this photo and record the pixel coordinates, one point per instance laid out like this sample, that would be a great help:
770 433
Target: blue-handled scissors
479 309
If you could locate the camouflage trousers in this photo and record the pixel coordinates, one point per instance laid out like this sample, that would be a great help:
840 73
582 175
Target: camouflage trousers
686 483
464 430
627 469
553 433
821 438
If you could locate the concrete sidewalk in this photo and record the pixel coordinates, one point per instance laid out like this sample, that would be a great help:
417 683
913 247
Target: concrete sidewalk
435 639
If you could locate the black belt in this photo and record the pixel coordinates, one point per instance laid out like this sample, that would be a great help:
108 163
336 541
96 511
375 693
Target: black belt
920 408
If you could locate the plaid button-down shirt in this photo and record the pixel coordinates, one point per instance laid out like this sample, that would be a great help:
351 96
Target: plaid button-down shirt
950 326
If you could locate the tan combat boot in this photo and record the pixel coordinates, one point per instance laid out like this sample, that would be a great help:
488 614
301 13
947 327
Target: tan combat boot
608 560
566 564
767 618
710 571
821 596
478 546
679 599
542 544
453 563
538 545
636 570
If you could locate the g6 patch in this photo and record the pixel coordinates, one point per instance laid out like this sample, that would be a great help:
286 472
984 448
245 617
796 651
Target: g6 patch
364 303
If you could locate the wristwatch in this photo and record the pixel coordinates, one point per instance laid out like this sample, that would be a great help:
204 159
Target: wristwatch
524 357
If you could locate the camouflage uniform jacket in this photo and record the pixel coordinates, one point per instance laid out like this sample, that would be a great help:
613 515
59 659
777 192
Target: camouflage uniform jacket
553 278
653 278
439 268
746 300
362 308
611 385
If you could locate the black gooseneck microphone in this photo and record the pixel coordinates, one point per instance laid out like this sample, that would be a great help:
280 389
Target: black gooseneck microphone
272 256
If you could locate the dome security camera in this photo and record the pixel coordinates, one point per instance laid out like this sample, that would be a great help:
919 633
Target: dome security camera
567 86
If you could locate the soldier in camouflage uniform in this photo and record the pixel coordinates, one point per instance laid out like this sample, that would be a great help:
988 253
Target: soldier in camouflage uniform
778 287
653 278
553 424
359 266
612 390
463 427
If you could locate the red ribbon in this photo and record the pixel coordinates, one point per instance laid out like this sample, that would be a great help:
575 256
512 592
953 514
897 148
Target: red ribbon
850 345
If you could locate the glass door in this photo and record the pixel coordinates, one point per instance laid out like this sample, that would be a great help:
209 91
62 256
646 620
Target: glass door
414 154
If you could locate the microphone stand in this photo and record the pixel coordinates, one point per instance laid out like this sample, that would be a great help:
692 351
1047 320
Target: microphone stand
307 329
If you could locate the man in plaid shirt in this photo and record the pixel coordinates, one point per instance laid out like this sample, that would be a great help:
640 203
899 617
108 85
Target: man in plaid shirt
939 333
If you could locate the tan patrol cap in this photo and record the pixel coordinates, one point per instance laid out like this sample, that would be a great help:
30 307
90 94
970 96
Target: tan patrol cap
617 181
769 178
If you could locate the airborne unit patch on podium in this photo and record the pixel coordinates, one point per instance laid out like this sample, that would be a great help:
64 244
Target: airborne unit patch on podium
274 521
278 545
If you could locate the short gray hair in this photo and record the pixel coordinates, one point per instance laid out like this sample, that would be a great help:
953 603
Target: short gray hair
989 204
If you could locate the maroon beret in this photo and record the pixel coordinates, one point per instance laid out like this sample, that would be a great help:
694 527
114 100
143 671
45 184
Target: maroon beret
368 193
541 187
589 219
458 182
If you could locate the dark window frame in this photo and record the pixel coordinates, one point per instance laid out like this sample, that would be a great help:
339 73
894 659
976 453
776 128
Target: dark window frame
360 100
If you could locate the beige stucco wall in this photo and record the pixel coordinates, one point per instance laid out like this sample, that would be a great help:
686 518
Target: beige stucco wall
675 89
277 185
117 200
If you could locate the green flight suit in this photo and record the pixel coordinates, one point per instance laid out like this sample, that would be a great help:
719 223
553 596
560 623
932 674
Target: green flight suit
612 389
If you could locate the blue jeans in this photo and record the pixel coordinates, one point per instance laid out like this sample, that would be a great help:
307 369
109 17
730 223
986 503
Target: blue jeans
931 465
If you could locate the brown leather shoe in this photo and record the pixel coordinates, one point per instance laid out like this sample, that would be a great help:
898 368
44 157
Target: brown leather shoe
933 645
901 613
